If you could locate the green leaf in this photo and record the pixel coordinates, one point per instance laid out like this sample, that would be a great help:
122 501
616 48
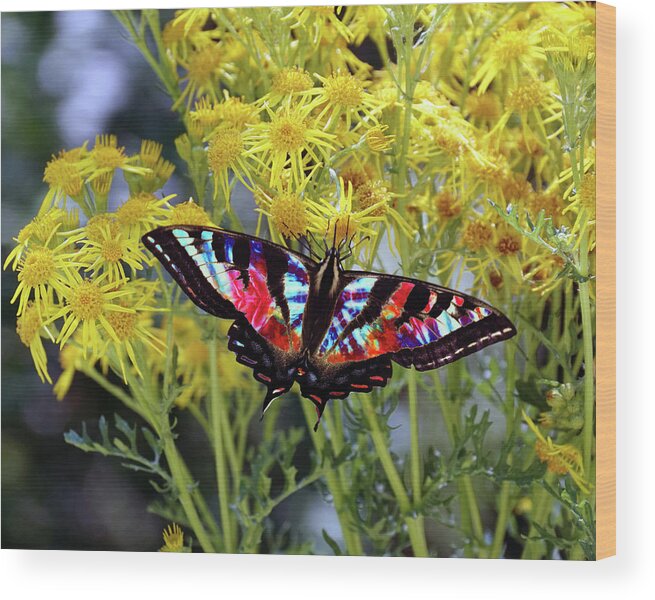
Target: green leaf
332 543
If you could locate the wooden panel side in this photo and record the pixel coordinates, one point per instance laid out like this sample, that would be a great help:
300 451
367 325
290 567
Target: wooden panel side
606 281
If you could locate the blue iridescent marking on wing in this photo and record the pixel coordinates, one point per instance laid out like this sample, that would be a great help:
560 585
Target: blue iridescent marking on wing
351 302
296 291
229 246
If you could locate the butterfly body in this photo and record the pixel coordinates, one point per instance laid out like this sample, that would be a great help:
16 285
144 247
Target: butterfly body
330 330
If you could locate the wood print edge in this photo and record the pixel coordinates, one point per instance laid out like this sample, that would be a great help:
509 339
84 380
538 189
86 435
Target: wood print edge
606 281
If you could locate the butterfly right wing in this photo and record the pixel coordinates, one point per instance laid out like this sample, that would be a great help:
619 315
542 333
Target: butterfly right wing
415 323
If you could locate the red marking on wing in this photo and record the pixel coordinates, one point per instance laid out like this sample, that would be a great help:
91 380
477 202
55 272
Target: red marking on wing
384 337
458 300
257 305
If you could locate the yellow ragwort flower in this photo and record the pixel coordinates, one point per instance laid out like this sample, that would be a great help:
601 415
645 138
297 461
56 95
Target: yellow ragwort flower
87 303
288 215
189 213
173 539
561 459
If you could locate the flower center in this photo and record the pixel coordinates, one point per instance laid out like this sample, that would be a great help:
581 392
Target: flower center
287 135
525 97
373 193
106 154
447 205
289 215
224 149
123 324
86 301
476 235
134 209
344 90
508 245
38 268
60 173
189 213
291 80
111 250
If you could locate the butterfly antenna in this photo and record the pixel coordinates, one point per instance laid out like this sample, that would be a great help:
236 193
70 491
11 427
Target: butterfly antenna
312 235
304 244
344 241
334 235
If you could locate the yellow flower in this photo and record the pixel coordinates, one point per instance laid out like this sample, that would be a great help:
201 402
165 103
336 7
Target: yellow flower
290 140
106 156
134 329
343 93
142 212
87 303
189 213
41 272
561 459
29 326
338 216
226 152
110 253
173 539
288 214
377 141
204 68
39 232
205 114
509 50
290 81
63 174
234 113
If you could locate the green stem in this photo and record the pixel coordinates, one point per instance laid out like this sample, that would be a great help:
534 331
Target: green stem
222 483
414 525
501 522
184 484
542 500
470 512
336 487
415 457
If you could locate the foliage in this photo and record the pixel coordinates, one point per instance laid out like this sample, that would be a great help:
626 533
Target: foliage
466 157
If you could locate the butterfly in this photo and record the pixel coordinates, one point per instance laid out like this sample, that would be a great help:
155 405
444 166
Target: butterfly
331 330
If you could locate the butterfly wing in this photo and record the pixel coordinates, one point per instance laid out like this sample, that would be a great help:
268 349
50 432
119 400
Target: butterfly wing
262 286
379 318
411 321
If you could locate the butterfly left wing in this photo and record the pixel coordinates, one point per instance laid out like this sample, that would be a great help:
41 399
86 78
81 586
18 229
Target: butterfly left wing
263 287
